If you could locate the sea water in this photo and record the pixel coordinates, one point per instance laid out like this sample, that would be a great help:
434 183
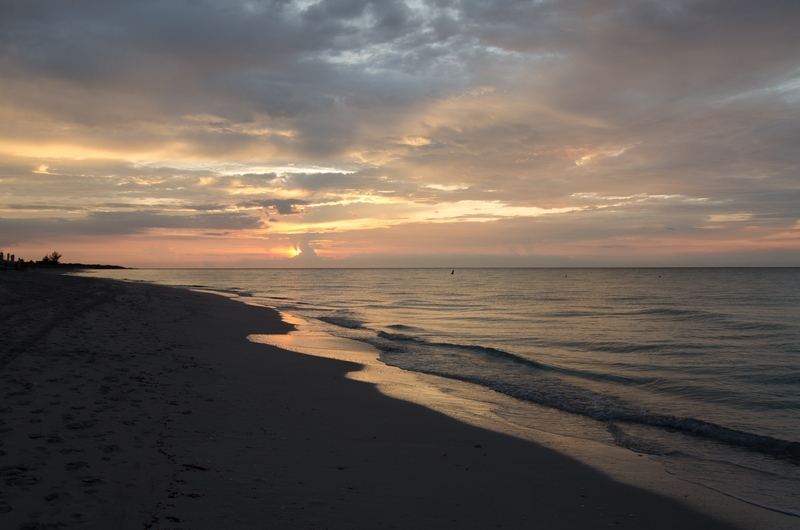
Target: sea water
698 368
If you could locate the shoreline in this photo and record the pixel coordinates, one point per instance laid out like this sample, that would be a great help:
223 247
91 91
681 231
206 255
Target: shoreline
477 406
130 404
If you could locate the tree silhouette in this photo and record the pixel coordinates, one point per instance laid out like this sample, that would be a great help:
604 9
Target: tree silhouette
53 258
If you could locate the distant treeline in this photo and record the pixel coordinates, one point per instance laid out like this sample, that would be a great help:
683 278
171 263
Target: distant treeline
51 261
51 265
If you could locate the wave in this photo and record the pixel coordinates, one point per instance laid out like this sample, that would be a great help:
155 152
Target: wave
669 311
398 336
404 327
543 388
695 314
569 314
545 385
662 311
623 439
342 321
566 397
625 347
485 350
758 326
238 291
505 356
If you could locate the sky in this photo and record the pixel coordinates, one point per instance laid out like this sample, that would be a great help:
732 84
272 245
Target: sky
353 133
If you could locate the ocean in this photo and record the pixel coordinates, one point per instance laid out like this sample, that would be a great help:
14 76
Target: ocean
698 369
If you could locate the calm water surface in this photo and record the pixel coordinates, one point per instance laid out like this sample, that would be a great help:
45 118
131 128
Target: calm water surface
699 368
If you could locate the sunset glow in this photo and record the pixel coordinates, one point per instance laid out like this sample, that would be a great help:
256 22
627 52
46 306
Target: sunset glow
241 134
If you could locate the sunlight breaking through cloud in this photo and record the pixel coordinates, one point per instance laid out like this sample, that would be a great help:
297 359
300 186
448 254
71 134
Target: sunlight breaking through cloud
557 129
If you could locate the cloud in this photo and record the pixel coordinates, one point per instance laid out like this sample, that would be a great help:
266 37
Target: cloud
39 207
304 252
282 206
143 117
119 223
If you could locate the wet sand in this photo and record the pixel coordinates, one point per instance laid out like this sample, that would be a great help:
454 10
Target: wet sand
137 406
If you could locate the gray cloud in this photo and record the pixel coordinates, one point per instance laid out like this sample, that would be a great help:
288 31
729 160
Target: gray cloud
137 221
14 231
318 67
524 103
342 182
282 206
39 207
256 179
292 61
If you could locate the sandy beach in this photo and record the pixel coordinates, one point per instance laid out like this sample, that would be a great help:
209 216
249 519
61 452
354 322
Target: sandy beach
129 405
